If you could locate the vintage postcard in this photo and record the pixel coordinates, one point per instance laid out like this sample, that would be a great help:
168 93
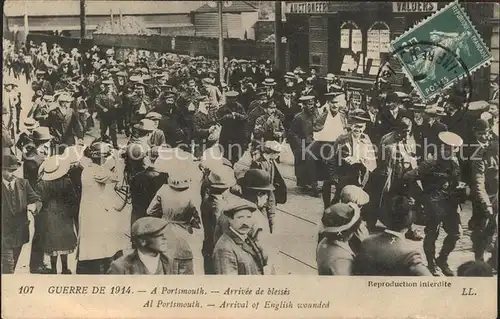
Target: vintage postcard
249 159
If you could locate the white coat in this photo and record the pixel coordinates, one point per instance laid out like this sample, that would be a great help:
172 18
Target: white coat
103 229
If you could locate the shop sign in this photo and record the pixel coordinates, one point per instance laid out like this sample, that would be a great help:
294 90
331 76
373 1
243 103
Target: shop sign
307 7
401 7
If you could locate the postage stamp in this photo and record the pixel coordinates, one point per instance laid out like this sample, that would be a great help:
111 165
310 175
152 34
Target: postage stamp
440 51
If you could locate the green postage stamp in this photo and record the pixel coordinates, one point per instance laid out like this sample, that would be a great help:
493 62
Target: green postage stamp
440 50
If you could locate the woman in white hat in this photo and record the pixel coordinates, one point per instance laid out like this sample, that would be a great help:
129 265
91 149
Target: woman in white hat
58 197
103 227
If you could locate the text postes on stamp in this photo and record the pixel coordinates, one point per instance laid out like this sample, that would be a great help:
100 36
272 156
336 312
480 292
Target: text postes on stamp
440 50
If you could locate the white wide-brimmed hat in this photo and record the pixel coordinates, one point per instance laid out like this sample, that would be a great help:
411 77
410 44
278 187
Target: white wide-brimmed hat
53 168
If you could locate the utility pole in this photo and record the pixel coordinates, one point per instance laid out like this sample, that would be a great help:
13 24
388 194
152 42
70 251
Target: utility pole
221 41
277 36
83 22
26 28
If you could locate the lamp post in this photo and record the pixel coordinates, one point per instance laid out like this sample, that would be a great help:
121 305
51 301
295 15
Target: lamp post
220 4
15 29
83 21
221 42
26 28
277 35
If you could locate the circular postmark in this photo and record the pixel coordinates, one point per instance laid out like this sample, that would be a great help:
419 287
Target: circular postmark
431 68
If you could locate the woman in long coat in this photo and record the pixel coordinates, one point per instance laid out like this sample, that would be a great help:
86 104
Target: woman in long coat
59 198
104 228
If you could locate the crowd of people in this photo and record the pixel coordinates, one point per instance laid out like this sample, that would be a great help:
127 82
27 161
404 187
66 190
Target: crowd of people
381 167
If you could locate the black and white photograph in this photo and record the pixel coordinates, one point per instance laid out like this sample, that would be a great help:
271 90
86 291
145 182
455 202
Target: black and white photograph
323 138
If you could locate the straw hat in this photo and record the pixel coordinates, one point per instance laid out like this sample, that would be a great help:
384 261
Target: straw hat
53 168
269 82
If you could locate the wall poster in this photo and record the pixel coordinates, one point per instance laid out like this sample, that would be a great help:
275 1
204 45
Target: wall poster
373 45
357 40
384 40
345 42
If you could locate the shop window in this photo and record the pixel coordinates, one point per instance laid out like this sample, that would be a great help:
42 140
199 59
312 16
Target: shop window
351 45
377 48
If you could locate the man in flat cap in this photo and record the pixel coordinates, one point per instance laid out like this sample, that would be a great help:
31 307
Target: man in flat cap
155 253
238 251
442 193
484 189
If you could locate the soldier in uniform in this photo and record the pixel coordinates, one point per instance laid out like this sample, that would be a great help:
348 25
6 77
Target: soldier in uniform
140 103
232 118
107 103
442 191
269 126
300 137
484 189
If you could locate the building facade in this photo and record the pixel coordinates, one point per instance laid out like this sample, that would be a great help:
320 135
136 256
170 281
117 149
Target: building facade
350 38
63 16
238 20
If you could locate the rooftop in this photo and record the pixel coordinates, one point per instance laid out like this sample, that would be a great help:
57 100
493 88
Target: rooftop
236 7
16 8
